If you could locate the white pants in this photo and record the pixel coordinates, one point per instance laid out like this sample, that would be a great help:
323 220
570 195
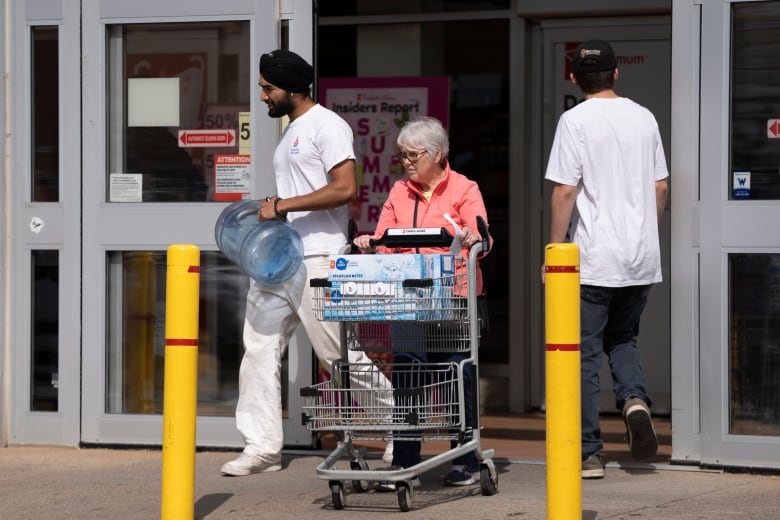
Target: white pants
272 314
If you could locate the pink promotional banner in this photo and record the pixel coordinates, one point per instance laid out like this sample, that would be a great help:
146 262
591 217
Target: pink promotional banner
376 109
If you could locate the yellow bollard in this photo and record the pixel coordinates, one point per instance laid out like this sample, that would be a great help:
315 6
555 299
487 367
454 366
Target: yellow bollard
181 382
562 381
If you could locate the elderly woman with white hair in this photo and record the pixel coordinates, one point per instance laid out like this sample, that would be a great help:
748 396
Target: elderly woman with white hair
432 195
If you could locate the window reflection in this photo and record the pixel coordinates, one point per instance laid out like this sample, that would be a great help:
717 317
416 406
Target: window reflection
136 345
45 115
755 88
754 291
45 334
209 68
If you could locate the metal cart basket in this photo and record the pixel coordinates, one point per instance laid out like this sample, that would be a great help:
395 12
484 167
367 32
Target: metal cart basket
393 316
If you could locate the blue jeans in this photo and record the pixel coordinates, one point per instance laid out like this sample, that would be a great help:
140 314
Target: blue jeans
609 321
412 337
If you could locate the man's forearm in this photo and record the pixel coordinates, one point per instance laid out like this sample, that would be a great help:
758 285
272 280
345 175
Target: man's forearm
561 206
661 194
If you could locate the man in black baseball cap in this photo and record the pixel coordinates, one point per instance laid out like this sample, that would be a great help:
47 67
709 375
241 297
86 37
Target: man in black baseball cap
594 67
609 176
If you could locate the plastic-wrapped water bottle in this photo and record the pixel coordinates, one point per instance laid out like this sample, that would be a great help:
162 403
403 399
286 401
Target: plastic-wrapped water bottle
270 251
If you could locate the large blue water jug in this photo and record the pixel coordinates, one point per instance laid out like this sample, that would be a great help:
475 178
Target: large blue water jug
233 224
270 252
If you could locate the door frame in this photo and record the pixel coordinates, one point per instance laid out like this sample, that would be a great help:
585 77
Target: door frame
106 225
710 227
60 231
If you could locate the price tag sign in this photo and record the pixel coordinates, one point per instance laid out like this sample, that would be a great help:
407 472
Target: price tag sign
244 133
221 117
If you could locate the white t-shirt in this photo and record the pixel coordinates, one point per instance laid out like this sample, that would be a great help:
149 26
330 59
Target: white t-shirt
310 147
610 148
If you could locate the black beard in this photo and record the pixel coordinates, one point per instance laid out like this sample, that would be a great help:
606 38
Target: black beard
280 108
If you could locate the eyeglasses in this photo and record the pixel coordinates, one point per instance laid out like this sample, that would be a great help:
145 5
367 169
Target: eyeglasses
413 157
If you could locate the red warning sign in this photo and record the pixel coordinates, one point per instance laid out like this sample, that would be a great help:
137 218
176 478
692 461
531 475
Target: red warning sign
206 138
232 176
773 128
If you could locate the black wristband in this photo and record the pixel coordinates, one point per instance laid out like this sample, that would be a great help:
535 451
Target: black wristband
276 208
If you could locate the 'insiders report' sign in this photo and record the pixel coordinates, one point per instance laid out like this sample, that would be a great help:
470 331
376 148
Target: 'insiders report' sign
376 109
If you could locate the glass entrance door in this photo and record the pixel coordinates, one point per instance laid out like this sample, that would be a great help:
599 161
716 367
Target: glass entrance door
168 102
730 249
754 277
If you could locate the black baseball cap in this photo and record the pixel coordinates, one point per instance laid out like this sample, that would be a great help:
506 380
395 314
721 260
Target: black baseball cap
593 56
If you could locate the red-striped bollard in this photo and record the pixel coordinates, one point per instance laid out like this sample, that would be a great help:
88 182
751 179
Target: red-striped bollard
562 381
180 399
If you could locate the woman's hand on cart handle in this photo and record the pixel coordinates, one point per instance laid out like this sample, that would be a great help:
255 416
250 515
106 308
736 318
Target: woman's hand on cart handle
484 233
469 237
365 243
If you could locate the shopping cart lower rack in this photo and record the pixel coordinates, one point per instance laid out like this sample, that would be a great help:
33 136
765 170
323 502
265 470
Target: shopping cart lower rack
428 402
428 410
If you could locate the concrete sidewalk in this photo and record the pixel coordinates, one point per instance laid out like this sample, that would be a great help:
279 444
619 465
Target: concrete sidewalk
85 484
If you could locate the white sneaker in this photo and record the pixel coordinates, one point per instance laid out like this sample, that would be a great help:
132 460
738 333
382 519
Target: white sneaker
247 464
461 475
387 456
390 485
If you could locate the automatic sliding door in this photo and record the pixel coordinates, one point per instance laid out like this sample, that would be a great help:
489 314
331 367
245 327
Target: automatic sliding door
754 175
166 99
734 246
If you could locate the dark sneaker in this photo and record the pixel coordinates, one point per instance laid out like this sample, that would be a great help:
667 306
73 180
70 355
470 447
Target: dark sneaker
592 467
641 434
461 476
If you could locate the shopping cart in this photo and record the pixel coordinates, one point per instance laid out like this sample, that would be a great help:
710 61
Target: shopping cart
406 315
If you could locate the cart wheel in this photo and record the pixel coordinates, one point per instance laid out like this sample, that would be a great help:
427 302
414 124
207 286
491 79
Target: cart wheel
488 478
337 494
359 486
404 496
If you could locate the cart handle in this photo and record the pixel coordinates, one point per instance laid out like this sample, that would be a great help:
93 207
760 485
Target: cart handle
484 233
413 237
426 237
